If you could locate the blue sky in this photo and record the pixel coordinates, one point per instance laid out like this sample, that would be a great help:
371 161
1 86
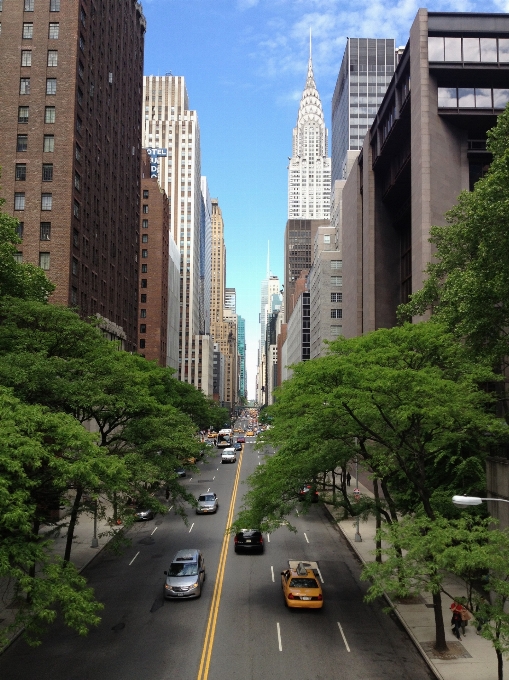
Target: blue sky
245 65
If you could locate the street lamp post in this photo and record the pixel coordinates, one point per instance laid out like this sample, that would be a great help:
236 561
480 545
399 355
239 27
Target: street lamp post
464 501
358 537
95 542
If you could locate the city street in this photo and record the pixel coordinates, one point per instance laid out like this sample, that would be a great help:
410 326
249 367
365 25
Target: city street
251 634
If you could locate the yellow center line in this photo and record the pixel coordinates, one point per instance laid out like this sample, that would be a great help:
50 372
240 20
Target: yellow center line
208 644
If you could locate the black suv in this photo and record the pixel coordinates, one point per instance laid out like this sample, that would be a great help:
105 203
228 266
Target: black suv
248 540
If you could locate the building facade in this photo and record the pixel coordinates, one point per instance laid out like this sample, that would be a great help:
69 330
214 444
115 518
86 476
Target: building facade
241 351
171 132
153 287
309 168
365 73
71 87
297 345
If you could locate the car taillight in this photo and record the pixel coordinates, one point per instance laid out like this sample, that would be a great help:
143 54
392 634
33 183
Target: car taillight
236 540
261 539
291 596
320 597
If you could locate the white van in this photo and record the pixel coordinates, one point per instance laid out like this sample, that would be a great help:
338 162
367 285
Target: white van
228 456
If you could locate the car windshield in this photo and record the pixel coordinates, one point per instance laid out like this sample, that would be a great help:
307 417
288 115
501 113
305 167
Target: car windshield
206 497
183 569
303 583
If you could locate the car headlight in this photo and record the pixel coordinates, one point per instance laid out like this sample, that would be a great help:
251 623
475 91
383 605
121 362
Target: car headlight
167 587
193 586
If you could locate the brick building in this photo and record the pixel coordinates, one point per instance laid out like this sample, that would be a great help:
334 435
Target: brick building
154 256
71 93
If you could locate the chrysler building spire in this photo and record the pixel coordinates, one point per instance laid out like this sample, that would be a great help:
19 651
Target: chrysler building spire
309 168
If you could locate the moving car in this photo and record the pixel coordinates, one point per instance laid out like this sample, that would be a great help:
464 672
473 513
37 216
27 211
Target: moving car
180 471
308 490
228 456
250 433
301 588
248 540
207 503
237 446
241 440
186 575
212 435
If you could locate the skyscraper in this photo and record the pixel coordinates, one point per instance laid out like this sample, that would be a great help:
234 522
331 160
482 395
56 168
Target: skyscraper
241 349
171 132
365 73
70 153
309 169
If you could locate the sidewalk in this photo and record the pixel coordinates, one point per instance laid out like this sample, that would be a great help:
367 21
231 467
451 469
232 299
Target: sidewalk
471 659
81 555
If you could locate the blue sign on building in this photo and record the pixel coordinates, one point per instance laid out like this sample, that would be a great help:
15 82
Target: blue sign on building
154 154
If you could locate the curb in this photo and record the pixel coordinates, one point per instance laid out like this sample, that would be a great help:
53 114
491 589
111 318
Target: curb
412 637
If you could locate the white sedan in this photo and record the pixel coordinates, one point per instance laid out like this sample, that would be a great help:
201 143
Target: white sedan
228 456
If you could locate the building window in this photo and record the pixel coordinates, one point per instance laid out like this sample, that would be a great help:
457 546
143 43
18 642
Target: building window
21 172
144 283
336 313
49 114
49 143
144 253
22 143
47 172
145 209
336 331
20 229
144 238
336 297
74 296
336 280
44 261
77 153
143 328
28 30
18 257
336 264
45 233
145 193
53 30
77 181
19 201
26 57
82 43
142 343
75 238
143 297
29 5
46 201
74 266
52 57
24 85
78 124
76 209
51 85
326 238
143 313
144 224
144 269
54 5
22 114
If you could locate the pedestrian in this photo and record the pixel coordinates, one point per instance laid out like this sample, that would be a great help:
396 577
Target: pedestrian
465 618
456 623
348 478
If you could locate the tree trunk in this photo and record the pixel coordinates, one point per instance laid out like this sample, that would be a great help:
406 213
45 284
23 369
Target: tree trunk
500 664
378 519
72 523
31 570
334 487
440 643
390 502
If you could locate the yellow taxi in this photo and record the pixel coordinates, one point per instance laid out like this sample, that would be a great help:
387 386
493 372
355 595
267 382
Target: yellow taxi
301 588
212 435
250 433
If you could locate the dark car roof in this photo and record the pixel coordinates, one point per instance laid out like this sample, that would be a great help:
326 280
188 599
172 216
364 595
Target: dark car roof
249 532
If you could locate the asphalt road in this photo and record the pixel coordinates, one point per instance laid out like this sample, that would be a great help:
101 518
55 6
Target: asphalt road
251 634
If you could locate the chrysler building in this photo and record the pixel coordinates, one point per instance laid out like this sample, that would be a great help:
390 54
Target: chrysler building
309 170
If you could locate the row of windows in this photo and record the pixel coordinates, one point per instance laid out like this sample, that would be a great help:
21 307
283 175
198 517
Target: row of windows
472 98
48 145
19 201
20 173
44 260
28 30
24 111
51 86
29 5
26 58
487 50
44 230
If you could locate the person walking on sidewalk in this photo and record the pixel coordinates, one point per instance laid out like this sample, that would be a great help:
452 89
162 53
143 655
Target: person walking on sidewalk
465 618
348 478
456 622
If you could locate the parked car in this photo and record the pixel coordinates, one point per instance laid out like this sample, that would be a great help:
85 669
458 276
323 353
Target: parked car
307 489
207 503
228 455
186 575
142 514
248 540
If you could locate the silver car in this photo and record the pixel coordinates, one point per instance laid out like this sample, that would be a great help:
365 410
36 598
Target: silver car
186 575
228 456
207 503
